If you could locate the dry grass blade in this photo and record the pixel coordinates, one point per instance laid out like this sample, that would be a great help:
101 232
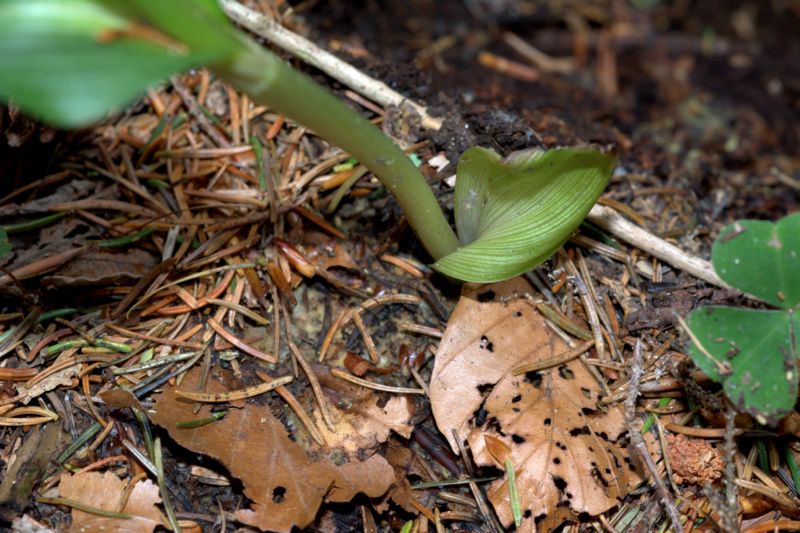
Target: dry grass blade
376 386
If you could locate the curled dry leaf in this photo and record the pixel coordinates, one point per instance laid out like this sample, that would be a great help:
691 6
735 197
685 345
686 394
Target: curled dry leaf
285 485
568 455
106 491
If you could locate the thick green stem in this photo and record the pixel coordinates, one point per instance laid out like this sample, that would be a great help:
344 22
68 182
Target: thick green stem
268 80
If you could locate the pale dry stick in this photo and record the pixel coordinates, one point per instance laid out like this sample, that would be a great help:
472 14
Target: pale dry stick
371 385
618 226
315 386
638 440
334 67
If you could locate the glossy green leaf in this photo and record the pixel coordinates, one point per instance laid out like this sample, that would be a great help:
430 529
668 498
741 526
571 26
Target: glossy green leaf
753 353
762 259
70 62
513 214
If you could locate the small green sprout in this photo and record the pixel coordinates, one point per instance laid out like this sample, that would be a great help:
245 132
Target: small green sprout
753 352
70 62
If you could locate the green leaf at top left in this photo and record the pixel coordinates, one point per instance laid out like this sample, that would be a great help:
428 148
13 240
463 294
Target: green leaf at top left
70 62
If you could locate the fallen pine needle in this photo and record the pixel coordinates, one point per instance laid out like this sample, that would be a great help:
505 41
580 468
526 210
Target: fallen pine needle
550 362
289 398
315 386
242 394
225 334
83 507
255 317
377 386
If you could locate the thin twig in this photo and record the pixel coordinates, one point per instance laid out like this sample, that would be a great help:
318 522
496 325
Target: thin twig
638 441
617 225
334 67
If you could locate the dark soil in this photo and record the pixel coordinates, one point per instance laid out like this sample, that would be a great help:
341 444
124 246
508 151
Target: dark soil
707 98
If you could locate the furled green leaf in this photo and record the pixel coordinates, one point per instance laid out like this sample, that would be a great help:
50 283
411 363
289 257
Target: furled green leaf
70 62
762 259
752 353
512 215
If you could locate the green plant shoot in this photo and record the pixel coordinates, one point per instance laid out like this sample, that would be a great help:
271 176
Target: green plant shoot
70 62
753 352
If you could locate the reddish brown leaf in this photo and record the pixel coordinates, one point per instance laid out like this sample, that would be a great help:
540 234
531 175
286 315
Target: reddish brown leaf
286 486
568 454
105 491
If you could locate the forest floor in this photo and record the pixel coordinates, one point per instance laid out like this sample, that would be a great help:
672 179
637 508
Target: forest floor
209 319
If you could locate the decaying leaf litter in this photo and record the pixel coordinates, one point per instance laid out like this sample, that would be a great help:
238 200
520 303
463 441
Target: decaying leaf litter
200 252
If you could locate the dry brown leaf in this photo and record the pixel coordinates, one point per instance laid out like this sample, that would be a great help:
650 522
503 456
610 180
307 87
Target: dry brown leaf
365 424
105 491
363 418
286 486
119 398
402 460
568 455
368 477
